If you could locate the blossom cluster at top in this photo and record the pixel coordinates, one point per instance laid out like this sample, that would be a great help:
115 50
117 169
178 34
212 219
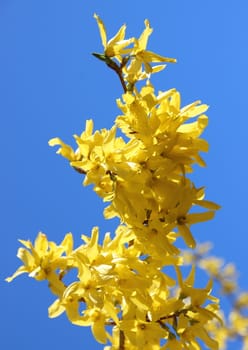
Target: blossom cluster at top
144 174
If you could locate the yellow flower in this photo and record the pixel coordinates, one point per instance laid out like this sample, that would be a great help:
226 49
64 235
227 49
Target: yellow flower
185 220
94 317
140 56
142 334
242 300
196 331
116 46
238 323
123 282
42 258
132 58
65 150
198 296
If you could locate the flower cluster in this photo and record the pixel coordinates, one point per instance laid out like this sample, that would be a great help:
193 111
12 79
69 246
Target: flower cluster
123 284
225 277
119 286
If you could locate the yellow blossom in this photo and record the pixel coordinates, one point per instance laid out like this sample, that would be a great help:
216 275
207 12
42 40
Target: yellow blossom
42 258
141 56
124 283
116 46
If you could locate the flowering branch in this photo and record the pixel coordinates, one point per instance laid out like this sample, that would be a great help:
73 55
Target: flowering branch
144 177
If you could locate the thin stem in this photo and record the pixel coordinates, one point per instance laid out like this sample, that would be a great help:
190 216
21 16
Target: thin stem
122 81
121 340
118 70
113 65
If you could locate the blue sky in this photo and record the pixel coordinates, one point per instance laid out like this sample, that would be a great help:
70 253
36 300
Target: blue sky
50 84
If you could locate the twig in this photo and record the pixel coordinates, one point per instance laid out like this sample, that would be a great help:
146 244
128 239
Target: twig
121 340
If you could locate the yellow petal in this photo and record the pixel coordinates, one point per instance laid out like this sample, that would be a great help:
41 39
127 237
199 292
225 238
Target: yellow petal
102 30
211 343
56 309
26 244
207 204
112 311
19 271
120 35
65 150
92 246
67 243
192 110
200 217
158 68
142 41
74 316
41 243
153 57
99 331
26 257
190 279
187 235
56 286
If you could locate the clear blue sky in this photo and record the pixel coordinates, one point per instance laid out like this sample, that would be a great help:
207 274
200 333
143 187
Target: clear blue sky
50 84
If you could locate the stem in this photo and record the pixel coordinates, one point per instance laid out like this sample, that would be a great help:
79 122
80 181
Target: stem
118 71
122 81
113 65
121 340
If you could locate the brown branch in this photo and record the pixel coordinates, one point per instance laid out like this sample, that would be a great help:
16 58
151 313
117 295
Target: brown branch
121 340
113 65
118 70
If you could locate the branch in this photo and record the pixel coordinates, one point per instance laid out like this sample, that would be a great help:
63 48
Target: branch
121 340
113 65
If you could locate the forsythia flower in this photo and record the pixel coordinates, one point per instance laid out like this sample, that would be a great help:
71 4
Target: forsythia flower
43 257
116 46
124 290
114 280
162 147
140 56
131 59
235 323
